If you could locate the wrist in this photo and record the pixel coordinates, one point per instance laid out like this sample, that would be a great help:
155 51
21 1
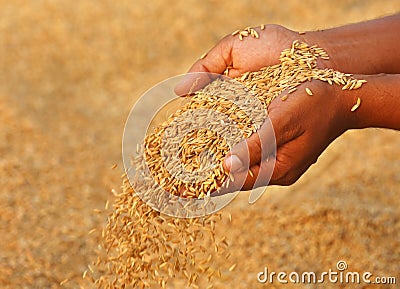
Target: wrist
362 48
379 102
349 114
318 38
344 102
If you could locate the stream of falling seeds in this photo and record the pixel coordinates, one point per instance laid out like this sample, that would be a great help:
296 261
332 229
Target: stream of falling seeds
143 248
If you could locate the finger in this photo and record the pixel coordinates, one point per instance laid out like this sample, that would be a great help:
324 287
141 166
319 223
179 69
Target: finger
293 159
278 129
252 150
207 69
288 166
257 176
284 171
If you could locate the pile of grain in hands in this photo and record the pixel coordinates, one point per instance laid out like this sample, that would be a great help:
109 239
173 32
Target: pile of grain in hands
142 247
232 98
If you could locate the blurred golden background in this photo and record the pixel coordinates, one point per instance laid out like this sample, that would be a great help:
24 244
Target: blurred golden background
70 72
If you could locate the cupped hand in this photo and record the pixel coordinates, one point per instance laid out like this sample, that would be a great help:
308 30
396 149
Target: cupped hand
303 126
239 56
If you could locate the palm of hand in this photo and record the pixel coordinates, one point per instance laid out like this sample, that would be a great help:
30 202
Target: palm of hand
251 54
238 56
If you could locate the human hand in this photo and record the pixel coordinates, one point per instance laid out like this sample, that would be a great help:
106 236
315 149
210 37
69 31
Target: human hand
303 127
239 56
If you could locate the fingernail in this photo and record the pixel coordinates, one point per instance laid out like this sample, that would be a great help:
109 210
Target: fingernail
233 163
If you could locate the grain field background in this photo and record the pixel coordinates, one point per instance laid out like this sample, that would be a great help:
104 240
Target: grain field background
69 73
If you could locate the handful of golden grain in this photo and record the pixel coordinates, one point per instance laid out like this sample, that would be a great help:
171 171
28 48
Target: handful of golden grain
142 247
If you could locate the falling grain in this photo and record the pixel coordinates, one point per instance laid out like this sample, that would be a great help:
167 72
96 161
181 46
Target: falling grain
256 34
226 72
251 173
357 105
143 248
92 231
203 55
235 32
232 267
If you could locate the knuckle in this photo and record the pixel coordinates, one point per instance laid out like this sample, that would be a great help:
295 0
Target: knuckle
288 181
280 171
255 148
285 176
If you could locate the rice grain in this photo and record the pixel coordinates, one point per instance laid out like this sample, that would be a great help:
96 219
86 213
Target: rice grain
357 105
142 247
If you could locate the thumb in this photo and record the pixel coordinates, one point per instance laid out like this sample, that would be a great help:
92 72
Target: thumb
252 150
207 69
